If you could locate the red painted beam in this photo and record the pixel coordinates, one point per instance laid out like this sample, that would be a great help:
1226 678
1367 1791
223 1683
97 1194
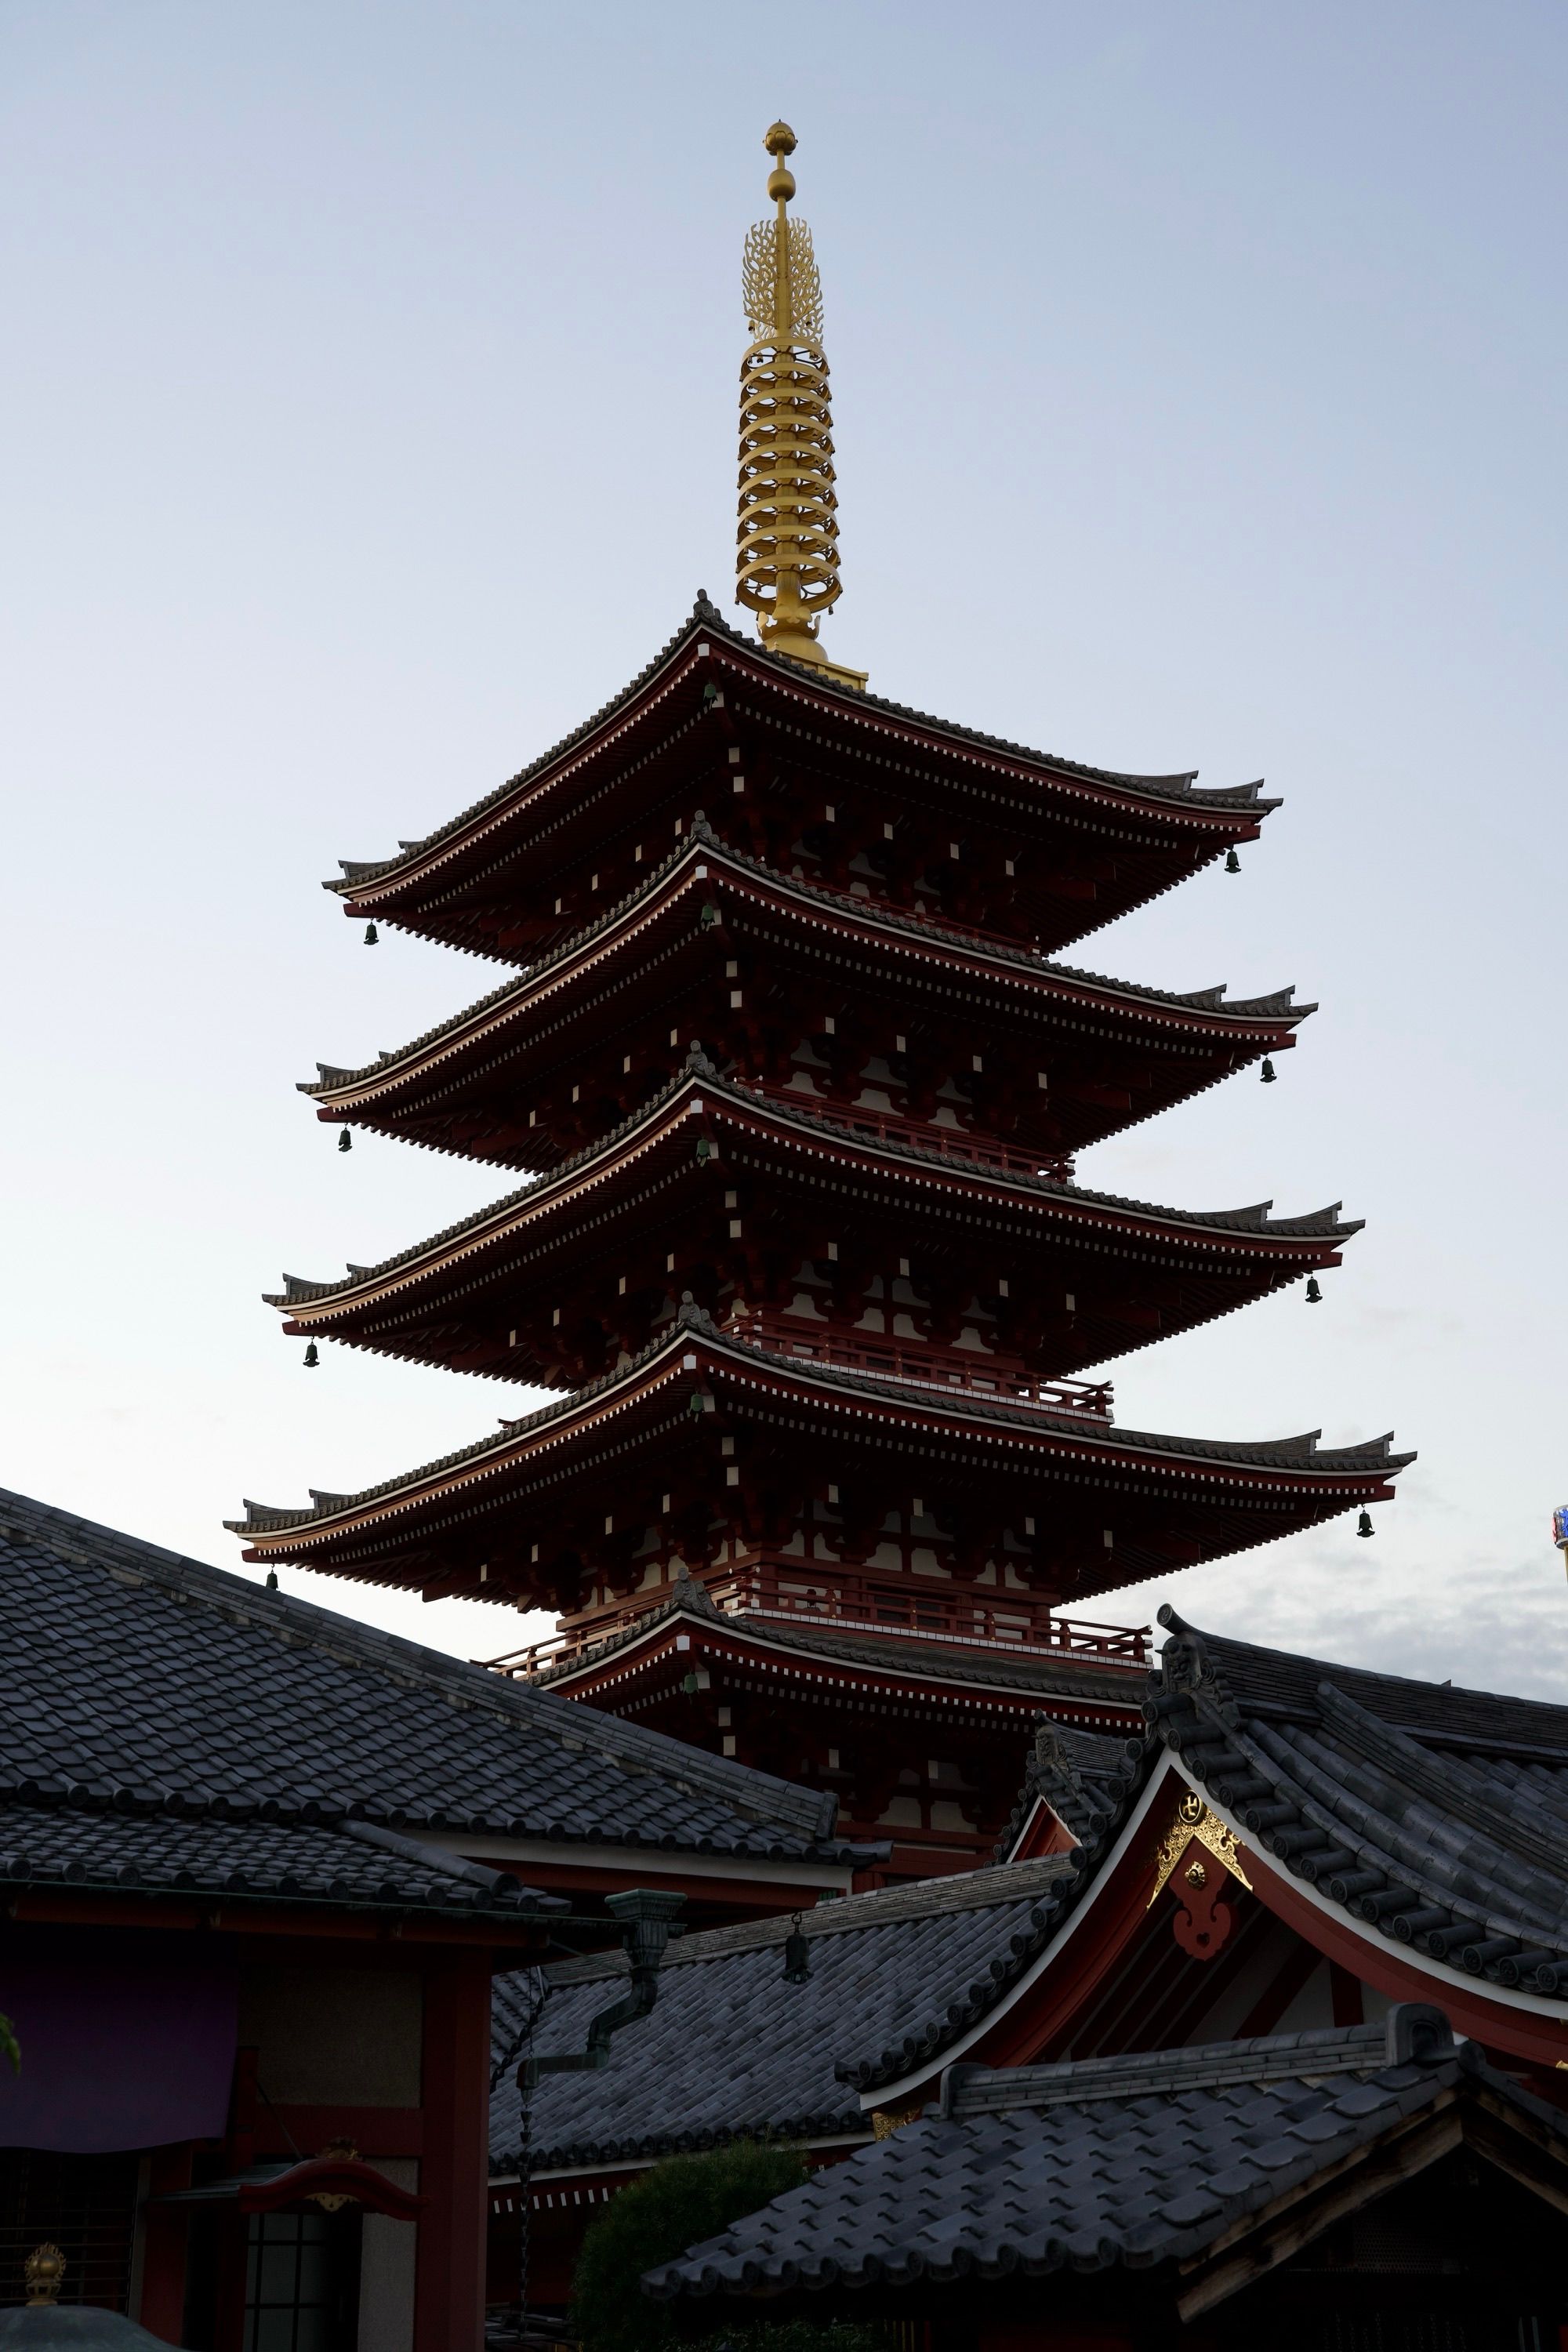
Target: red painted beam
1524 2033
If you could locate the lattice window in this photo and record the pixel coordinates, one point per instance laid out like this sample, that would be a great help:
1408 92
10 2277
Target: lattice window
301 2283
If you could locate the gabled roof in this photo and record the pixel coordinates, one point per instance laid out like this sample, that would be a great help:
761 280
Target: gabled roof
1172 791
142 1684
730 2051
1084 1777
1130 2162
1436 1819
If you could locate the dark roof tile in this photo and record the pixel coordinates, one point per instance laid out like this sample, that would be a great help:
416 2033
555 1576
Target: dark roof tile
135 1671
705 615
1451 1805
1086 2164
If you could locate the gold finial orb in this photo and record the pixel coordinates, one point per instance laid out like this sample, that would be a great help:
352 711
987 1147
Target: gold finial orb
780 141
45 2273
786 563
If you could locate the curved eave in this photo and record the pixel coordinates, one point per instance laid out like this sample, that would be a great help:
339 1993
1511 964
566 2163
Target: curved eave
1248 1027
454 1488
705 645
958 1675
1444 1823
1309 1241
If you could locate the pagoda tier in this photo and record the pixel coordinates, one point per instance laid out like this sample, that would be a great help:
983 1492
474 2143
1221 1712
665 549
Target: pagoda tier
919 1719
707 1454
851 1004
841 1237
804 771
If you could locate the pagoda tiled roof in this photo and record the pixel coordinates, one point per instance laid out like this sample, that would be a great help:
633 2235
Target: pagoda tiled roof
1276 1006
731 2051
1040 1675
150 1688
1255 1218
1146 2161
1300 1454
707 621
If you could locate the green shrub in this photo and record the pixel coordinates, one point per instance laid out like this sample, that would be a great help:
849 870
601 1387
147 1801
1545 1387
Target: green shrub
675 2204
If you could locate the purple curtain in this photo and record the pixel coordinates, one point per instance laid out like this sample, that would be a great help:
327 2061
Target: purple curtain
127 2041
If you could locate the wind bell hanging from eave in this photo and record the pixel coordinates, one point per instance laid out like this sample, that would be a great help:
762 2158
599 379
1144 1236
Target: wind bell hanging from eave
786 563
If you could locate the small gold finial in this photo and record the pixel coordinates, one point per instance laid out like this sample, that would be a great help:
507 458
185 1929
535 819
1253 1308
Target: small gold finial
786 564
44 2273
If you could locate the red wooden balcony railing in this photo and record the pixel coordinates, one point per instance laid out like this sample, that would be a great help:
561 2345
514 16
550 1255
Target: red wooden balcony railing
866 1605
968 1617
892 1127
919 1362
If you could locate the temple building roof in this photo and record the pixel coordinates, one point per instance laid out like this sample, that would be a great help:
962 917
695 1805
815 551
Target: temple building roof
1041 1677
496 828
501 1219
730 2051
1437 1819
507 1017
1136 2161
1456 1796
170 1705
1289 1475
45 1845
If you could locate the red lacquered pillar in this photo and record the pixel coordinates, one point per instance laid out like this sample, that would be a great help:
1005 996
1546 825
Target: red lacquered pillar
453 2172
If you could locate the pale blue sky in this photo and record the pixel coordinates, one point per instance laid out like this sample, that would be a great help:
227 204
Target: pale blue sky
369 419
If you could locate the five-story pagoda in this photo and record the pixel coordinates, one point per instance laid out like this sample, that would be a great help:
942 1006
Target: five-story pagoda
793 1078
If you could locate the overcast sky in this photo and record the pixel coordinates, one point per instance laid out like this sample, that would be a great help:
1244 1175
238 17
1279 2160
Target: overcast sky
368 420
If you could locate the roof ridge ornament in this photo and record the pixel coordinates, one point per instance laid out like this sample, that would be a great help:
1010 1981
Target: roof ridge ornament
786 560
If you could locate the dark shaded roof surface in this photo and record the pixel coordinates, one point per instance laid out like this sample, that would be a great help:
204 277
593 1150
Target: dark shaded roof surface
1123 2162
1437 1818
113 1851
1041 1674
706 618
143 1683
1300 1454
1323 1224
1085 1776
1276 1006
730 2049
898 1977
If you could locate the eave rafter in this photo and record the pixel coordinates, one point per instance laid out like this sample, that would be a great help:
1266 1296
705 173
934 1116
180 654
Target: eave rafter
1164 816
673 933
799 1170
1241 1493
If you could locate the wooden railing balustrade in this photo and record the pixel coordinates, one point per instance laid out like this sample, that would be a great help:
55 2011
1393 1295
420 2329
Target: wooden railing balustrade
893 1127
864 1604
918 1361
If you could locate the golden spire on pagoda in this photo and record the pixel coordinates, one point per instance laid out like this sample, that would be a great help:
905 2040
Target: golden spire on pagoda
786 563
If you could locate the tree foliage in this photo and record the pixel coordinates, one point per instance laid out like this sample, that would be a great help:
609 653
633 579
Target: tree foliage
676 2204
